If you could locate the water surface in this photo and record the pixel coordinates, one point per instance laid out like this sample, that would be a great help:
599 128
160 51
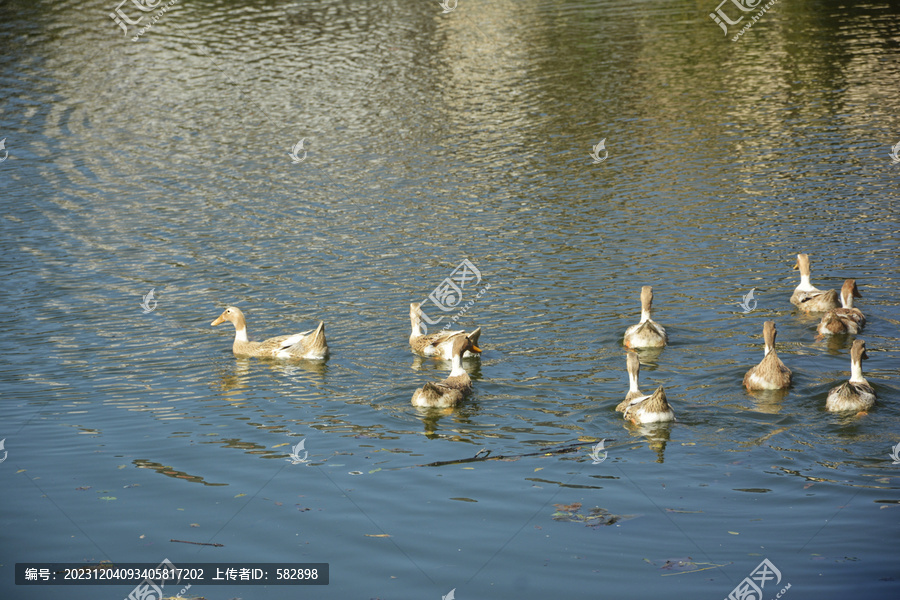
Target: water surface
430 138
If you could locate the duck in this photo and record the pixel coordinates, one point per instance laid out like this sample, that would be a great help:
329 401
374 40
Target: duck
855 394
438 344
455 388
309 344
845 319
633 366
770 373
648 333
650 409
807 297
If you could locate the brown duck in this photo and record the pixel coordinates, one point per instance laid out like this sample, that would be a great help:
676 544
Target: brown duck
770 373
845 319
438 344
451 391
309 344
808 298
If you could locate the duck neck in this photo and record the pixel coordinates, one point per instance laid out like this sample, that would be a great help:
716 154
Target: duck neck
847 299
240 329
456 370
768 349
856 375
633 383
416 323
804 282
645 313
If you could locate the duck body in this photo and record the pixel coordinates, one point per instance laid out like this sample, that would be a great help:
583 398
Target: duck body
845 319
633 365
650 409
807 297
438 344
855 394
455 388
770 373
308 345
647 333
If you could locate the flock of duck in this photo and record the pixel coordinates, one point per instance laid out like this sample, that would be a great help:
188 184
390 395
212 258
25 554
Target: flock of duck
840 317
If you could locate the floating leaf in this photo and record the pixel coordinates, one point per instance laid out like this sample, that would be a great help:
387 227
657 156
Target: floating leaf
239 495
734 533
195 525
356 472
108 498
280 445
538 469
374 470
379 535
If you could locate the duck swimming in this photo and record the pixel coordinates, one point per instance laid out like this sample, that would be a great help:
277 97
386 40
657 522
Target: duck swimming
309 344
855 394
455 388
633 366
845 319
648 333
438 344
807 297
770 373
650 409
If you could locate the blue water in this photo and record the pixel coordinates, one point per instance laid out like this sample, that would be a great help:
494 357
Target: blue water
430 138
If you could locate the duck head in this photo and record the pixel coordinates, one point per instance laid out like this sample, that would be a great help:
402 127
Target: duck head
461 344
234 315
849 291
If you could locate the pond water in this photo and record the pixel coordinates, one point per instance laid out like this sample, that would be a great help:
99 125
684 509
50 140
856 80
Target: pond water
429 138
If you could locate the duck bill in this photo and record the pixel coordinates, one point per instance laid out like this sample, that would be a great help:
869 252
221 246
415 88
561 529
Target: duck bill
475 348
221 319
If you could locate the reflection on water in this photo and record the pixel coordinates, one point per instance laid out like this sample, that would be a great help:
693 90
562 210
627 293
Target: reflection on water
431 138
